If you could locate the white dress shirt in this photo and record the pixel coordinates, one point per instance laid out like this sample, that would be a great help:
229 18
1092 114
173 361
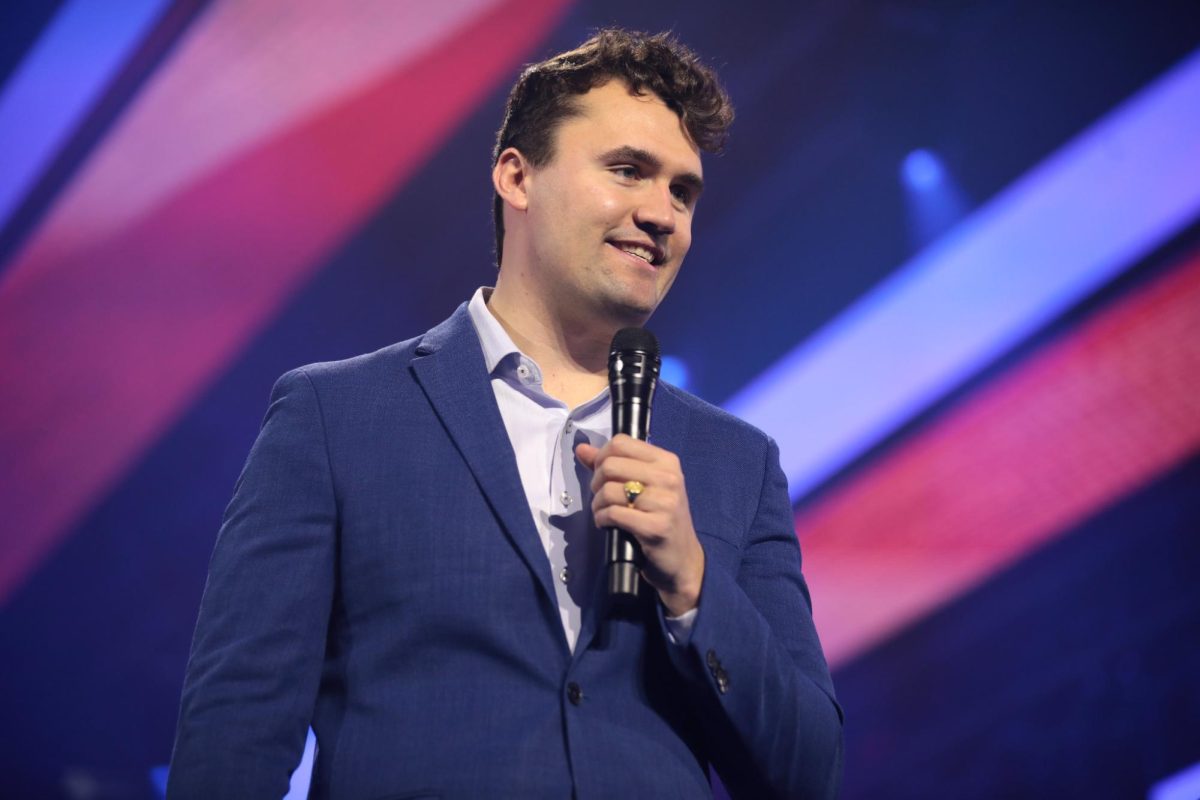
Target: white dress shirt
544 434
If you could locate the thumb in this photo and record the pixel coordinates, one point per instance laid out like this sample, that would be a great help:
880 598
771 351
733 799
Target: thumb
586 454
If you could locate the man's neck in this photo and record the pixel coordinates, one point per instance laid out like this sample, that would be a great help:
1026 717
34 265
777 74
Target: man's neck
572 353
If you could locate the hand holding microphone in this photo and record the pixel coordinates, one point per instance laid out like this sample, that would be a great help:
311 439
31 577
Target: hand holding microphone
648 531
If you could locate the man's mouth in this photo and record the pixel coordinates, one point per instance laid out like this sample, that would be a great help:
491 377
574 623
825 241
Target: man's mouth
647 252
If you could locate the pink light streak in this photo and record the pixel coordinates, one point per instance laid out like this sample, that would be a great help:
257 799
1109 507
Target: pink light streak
111 324
1081 424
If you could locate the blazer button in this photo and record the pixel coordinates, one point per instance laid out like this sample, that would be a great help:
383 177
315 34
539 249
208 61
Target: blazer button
711 658
574 693
722 681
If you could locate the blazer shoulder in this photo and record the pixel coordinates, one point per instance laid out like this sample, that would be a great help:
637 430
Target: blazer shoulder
387 365
379 366
716 420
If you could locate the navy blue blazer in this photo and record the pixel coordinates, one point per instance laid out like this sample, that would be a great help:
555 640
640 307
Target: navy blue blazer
378 574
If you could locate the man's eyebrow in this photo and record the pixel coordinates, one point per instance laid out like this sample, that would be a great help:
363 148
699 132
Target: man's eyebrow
640 156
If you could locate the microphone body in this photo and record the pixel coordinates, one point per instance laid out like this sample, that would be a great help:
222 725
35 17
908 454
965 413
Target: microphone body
633 366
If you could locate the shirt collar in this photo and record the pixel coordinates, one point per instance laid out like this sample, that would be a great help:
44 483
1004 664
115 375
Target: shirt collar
504 360
495 341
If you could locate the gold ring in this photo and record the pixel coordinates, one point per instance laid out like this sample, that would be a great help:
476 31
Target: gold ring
633 490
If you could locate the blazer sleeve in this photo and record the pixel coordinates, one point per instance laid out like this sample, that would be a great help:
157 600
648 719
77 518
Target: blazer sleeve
257 653
761 687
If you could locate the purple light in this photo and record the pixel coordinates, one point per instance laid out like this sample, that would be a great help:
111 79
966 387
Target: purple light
1183 785
922 170
81 49
1062 230
674 372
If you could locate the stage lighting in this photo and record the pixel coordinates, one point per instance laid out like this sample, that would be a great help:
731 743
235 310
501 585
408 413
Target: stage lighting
922 170
674 372
933 198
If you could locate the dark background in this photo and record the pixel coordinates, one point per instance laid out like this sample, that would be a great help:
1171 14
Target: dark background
1074 672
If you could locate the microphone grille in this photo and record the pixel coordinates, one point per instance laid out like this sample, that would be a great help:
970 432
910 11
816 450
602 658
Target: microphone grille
635 339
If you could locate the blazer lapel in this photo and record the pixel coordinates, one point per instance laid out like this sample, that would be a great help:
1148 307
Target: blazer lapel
449 367
668 420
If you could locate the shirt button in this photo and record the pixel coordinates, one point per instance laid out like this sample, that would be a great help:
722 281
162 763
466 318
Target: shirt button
570 427
565 574
566 498
574 693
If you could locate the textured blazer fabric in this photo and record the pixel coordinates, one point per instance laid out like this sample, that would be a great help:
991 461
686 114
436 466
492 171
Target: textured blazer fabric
378 575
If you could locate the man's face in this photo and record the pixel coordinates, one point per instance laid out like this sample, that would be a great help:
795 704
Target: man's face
610 215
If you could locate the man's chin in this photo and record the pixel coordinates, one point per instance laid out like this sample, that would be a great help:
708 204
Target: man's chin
629 312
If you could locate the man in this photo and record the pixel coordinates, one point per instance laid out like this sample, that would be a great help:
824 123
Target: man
411 560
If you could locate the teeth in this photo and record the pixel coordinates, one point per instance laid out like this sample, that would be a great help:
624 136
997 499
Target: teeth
641 252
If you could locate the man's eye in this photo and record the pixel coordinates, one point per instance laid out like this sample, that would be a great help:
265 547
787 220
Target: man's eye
682 194
628 172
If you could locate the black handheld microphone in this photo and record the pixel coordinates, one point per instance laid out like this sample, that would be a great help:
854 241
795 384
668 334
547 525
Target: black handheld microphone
633 364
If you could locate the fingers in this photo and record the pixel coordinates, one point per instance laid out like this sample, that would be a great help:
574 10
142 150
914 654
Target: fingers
613 494
618 469
625 459
659 518
650 529
626 446
654 499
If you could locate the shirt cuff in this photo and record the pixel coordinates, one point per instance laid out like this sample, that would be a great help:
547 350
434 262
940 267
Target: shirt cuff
679 629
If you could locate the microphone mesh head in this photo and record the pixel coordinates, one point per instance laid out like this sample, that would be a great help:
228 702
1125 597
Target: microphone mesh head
635 339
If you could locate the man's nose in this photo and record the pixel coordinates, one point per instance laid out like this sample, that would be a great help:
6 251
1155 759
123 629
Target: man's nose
656 209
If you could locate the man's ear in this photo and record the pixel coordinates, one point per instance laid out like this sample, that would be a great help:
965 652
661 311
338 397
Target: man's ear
510 178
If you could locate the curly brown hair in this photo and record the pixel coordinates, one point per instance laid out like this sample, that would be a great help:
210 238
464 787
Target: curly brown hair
544 95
